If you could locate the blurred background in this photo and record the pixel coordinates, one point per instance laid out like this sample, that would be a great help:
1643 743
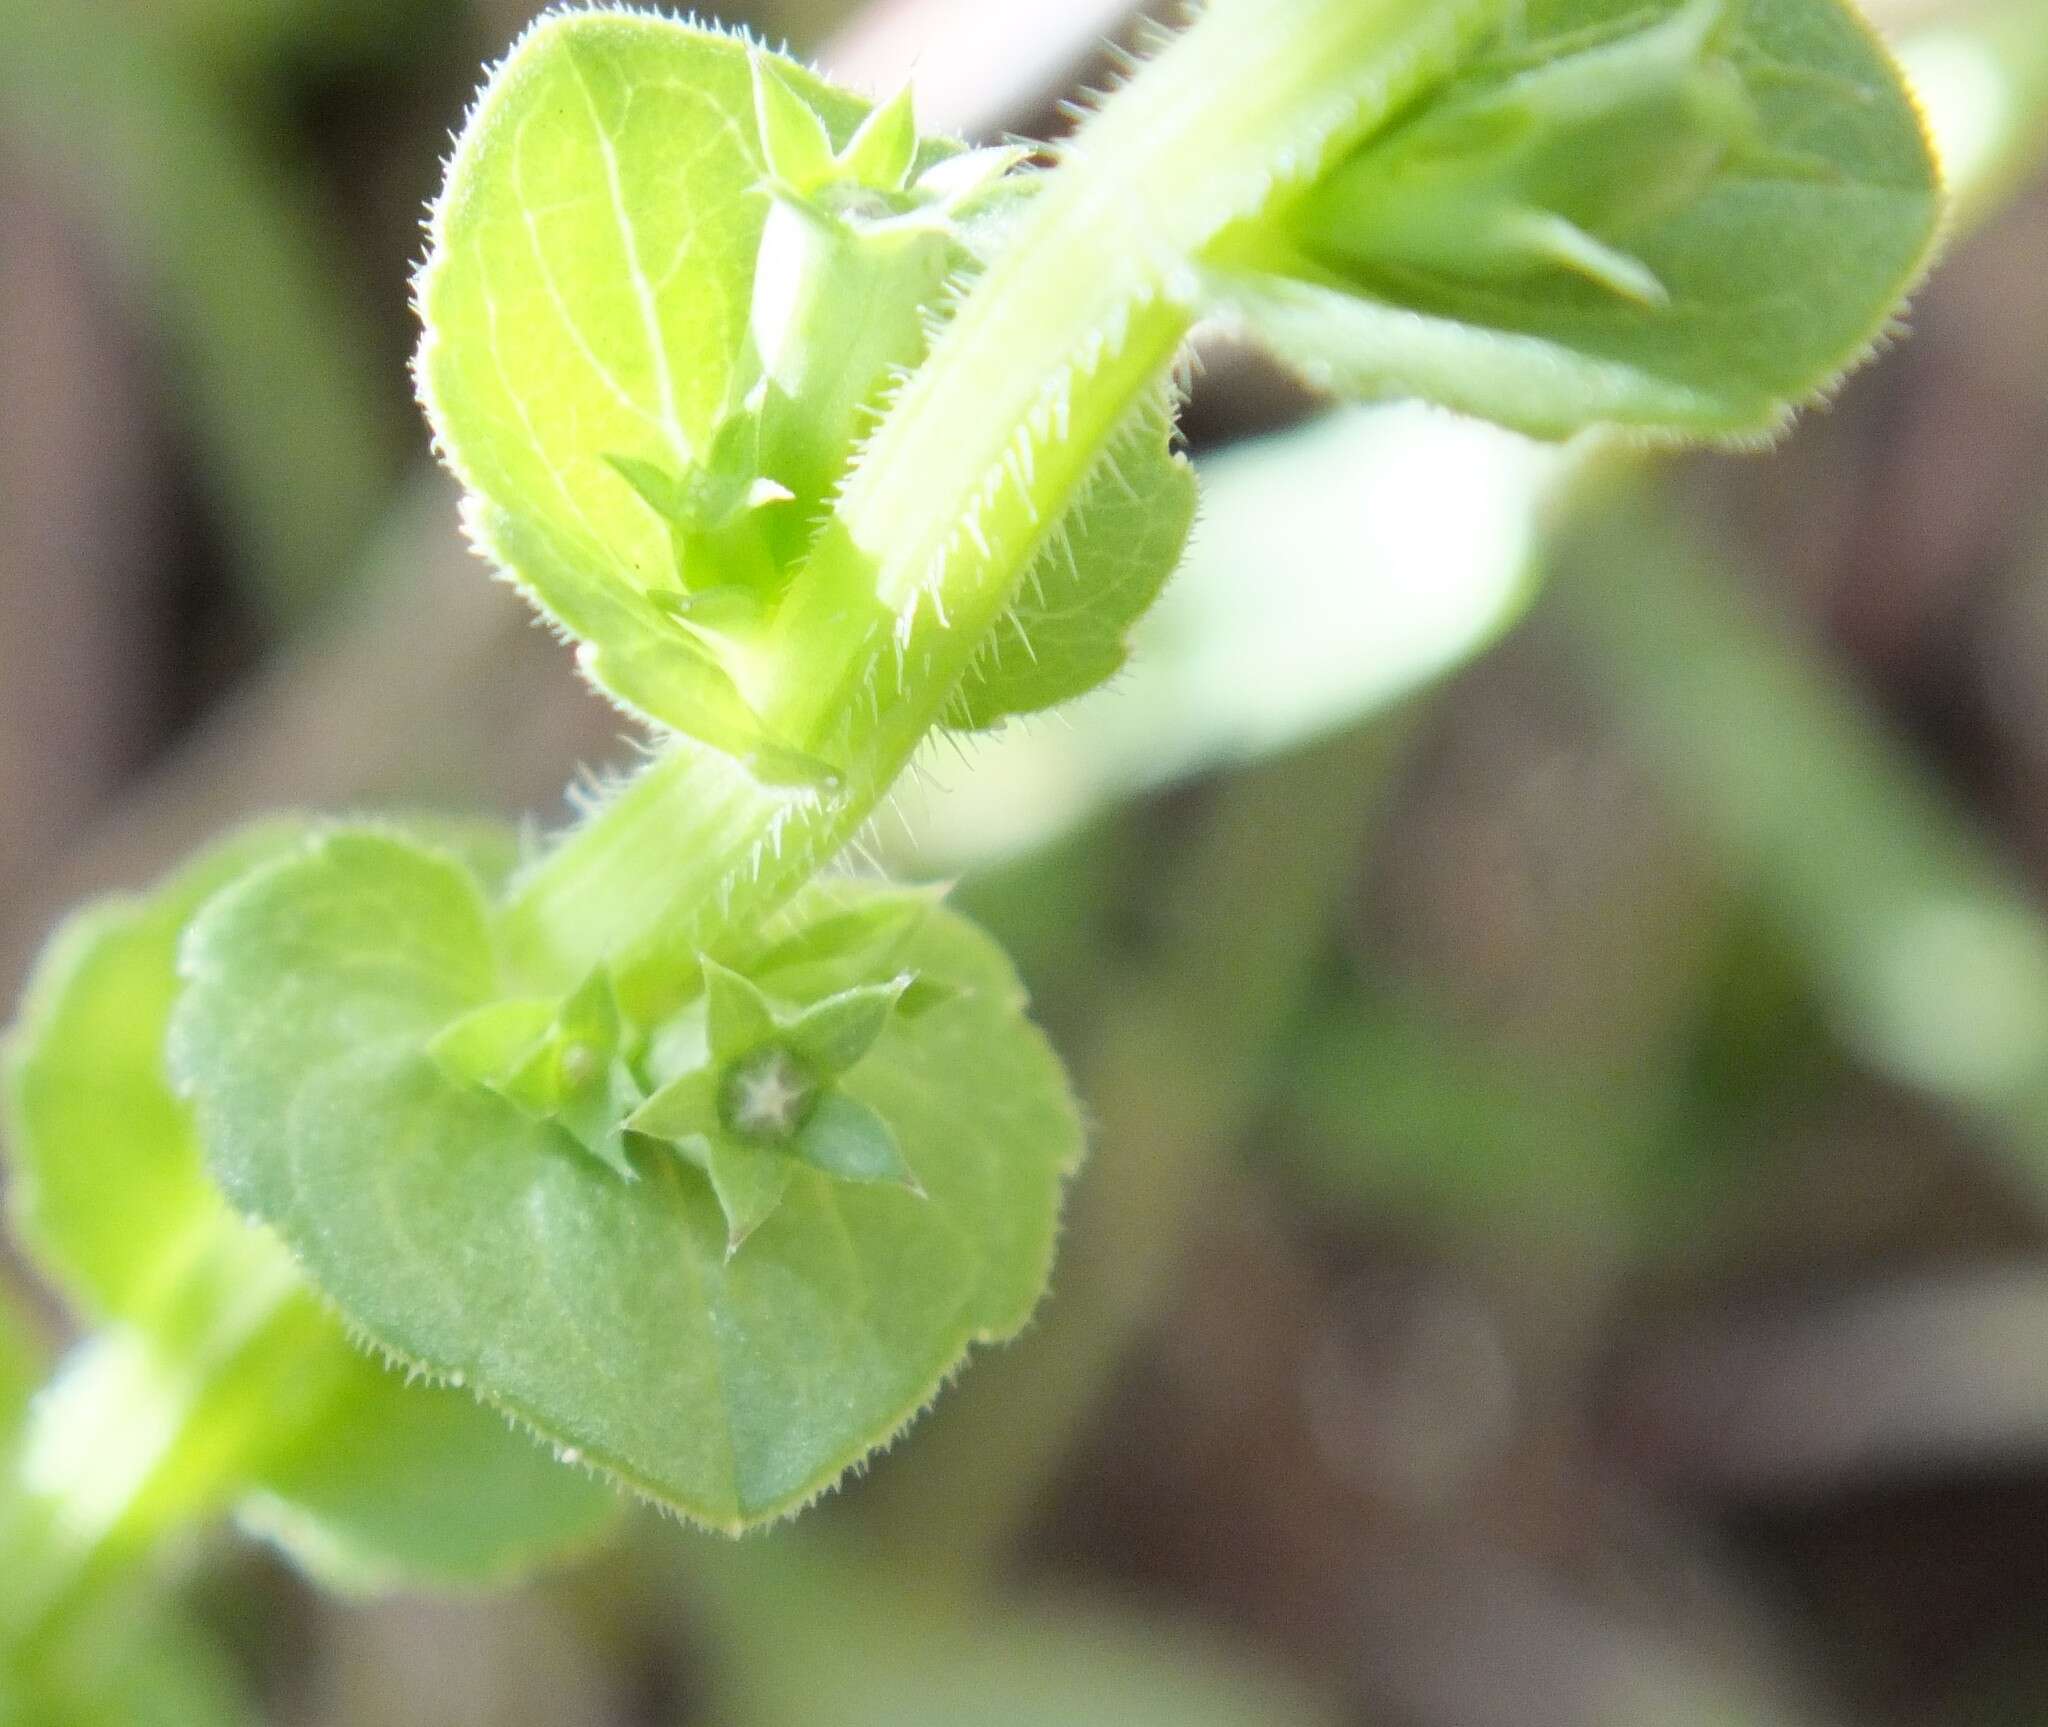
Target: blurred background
1554 945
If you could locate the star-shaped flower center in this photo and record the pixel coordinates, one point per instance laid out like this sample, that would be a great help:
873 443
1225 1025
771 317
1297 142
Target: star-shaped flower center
767 1094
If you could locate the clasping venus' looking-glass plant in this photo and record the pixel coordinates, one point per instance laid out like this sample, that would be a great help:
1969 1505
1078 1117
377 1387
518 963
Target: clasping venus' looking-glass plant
816 435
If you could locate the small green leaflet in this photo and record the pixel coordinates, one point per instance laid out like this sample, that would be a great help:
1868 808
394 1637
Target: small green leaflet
1096 575
463 1236
1687 216
113 1200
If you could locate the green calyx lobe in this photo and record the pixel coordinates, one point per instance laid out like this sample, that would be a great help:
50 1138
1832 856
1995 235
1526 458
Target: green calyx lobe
765 1099
563 1064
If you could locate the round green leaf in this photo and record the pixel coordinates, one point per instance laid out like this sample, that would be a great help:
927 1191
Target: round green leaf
465 1238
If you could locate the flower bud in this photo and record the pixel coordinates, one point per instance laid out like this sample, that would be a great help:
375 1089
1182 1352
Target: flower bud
1557 166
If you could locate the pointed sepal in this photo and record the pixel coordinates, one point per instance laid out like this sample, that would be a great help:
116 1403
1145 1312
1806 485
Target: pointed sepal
957 185
849 1141
832 1035
794 142
738 1017
685 1108
883 149
557 1062
865 939
748 1179
485 1046
923 995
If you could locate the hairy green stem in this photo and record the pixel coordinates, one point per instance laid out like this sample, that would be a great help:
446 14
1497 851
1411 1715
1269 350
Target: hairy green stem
146 1433
974 466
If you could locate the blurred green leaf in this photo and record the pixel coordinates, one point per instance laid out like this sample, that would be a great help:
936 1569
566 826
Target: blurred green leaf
406 1486
820 1635
1395 1108
1928 951
108 1194
170 1675
1071 1666
116 1205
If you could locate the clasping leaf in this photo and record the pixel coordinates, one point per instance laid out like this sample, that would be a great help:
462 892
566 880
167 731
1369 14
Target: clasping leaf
341 1004
655 320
